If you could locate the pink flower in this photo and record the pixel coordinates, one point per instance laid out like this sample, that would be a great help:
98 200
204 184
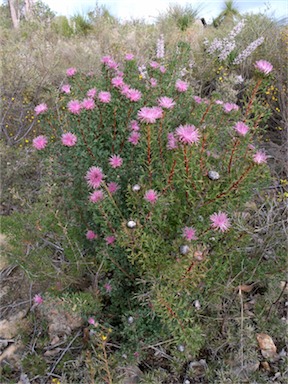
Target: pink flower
108 287
134 94
105 59
41 108
88 104
134 137
125 89
241 128
40 142
113 187
263 66
162 69
187 134
134 125
198 99
120 73
38 299
172 141
166 102
150 115
69 139
94 177
96 196
189 233
104 97
112 64
219 102
74 106
151 196
91 321
66 88
153 82
91 93
154 64
117 82
228 107
129 56
181 86
260 157
71 71
115 161
220 221
110 240
90 235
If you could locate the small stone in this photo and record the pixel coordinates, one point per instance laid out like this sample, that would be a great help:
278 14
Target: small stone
213 175
197 304
181 348
131 224
130 319
187 381
136 188
184 249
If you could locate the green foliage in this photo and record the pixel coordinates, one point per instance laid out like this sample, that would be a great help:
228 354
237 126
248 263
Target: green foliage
182 16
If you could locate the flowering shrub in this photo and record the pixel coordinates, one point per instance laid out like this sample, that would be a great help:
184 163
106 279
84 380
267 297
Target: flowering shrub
155 175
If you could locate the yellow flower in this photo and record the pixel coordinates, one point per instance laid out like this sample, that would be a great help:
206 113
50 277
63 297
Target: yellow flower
55 381
140 77
103 337
26 141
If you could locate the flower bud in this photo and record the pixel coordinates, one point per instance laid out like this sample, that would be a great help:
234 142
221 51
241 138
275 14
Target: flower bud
130 319
213 175
181 348
136 188
131 224
184 249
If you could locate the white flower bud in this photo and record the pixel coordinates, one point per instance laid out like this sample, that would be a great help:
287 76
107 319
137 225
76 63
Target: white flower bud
181 348
213 175
130 319
131 224
136 188
197 304
184 249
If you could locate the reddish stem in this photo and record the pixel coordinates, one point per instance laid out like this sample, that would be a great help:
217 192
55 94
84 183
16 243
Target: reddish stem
252 98
232 154
170 177
205 113
149 152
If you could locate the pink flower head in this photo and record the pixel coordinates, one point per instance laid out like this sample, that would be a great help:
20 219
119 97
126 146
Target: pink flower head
41 108
96 196
129 56
172 141
113 187
154 64
162 69
110 240
263 66
117 82
74 106
187 134
198 99
151 196
189 233
38 299
90 235
69 139
40 142
220 221
105 59
241 128
115 161
260 157
91 93
66 88
134 94
94 177
71 71
153 82
108 287
134 125
150 115
112 64
228 107
104 97
166 102
91 321
181 85
219 102
88 104
120 73
134 137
